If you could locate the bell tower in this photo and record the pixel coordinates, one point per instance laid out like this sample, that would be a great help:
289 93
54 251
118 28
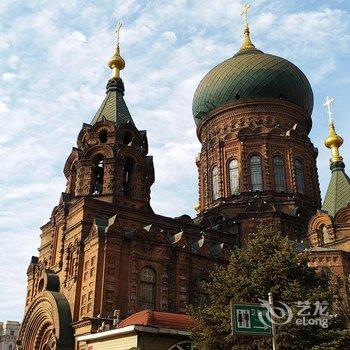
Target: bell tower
110 162
257 163
109 177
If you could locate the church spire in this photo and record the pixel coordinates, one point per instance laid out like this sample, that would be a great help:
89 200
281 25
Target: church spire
338 192
247 43
116 62
333 141
113 107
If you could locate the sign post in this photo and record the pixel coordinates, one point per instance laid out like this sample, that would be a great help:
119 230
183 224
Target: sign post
250 319
274 343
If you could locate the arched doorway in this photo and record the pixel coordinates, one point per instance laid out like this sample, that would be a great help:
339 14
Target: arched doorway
47 324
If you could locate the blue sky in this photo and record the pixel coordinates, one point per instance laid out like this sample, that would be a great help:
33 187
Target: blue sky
53 74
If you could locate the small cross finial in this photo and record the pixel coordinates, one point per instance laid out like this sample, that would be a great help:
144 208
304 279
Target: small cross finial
116 62
117 30
244 14
328 104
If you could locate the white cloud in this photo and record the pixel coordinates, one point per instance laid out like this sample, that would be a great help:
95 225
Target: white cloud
8 76
13 61
170 37
3 107
4 45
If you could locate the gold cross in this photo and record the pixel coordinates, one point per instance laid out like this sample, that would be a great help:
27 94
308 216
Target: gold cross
117 30
244 14
328 104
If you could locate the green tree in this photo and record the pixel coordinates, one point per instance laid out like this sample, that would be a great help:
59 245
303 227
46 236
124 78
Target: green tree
269 263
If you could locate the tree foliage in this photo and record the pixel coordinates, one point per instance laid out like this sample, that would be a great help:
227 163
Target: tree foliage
269 263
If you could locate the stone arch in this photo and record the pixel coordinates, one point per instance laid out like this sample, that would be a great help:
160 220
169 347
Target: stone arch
105 150
73 157
126 129
343 215
319 219
103 124
47 324
125 152
82 134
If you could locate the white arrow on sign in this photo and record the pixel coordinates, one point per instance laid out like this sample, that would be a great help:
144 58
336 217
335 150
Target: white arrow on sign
265 327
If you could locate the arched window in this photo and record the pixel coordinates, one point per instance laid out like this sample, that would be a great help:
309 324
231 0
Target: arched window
10 347
323 235
98 173
147 298
233 176
256 173
299 176
215 183
280 179
103 136
127 139
127 177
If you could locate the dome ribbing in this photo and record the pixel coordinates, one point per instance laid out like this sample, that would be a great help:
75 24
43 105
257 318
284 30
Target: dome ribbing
251 74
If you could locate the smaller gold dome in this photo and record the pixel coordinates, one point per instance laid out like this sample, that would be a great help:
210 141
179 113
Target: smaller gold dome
334 142
116 63
333 139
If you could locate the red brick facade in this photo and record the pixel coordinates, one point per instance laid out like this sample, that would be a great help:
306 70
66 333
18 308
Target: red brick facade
103 233
330 241
265 128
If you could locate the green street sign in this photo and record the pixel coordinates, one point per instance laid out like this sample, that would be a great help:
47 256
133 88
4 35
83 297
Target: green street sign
250 319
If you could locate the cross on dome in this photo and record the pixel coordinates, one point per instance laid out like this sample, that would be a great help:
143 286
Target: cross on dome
117 30
247 43
328 105
244 14
116 62
333 141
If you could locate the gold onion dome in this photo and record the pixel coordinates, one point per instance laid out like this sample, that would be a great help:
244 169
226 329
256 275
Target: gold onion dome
333 139
116 63
334 142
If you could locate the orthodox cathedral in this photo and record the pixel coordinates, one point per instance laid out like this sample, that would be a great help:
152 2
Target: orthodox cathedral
111 273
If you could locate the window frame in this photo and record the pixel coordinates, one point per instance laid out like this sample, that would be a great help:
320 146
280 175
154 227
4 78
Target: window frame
128 175
147 287
233 171
280 188
215 186
299 176
97 189
253 185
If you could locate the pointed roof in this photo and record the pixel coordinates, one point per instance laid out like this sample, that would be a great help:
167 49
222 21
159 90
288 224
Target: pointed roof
338 193
114 108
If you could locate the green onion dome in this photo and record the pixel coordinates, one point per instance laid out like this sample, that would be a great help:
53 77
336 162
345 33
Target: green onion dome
251 74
